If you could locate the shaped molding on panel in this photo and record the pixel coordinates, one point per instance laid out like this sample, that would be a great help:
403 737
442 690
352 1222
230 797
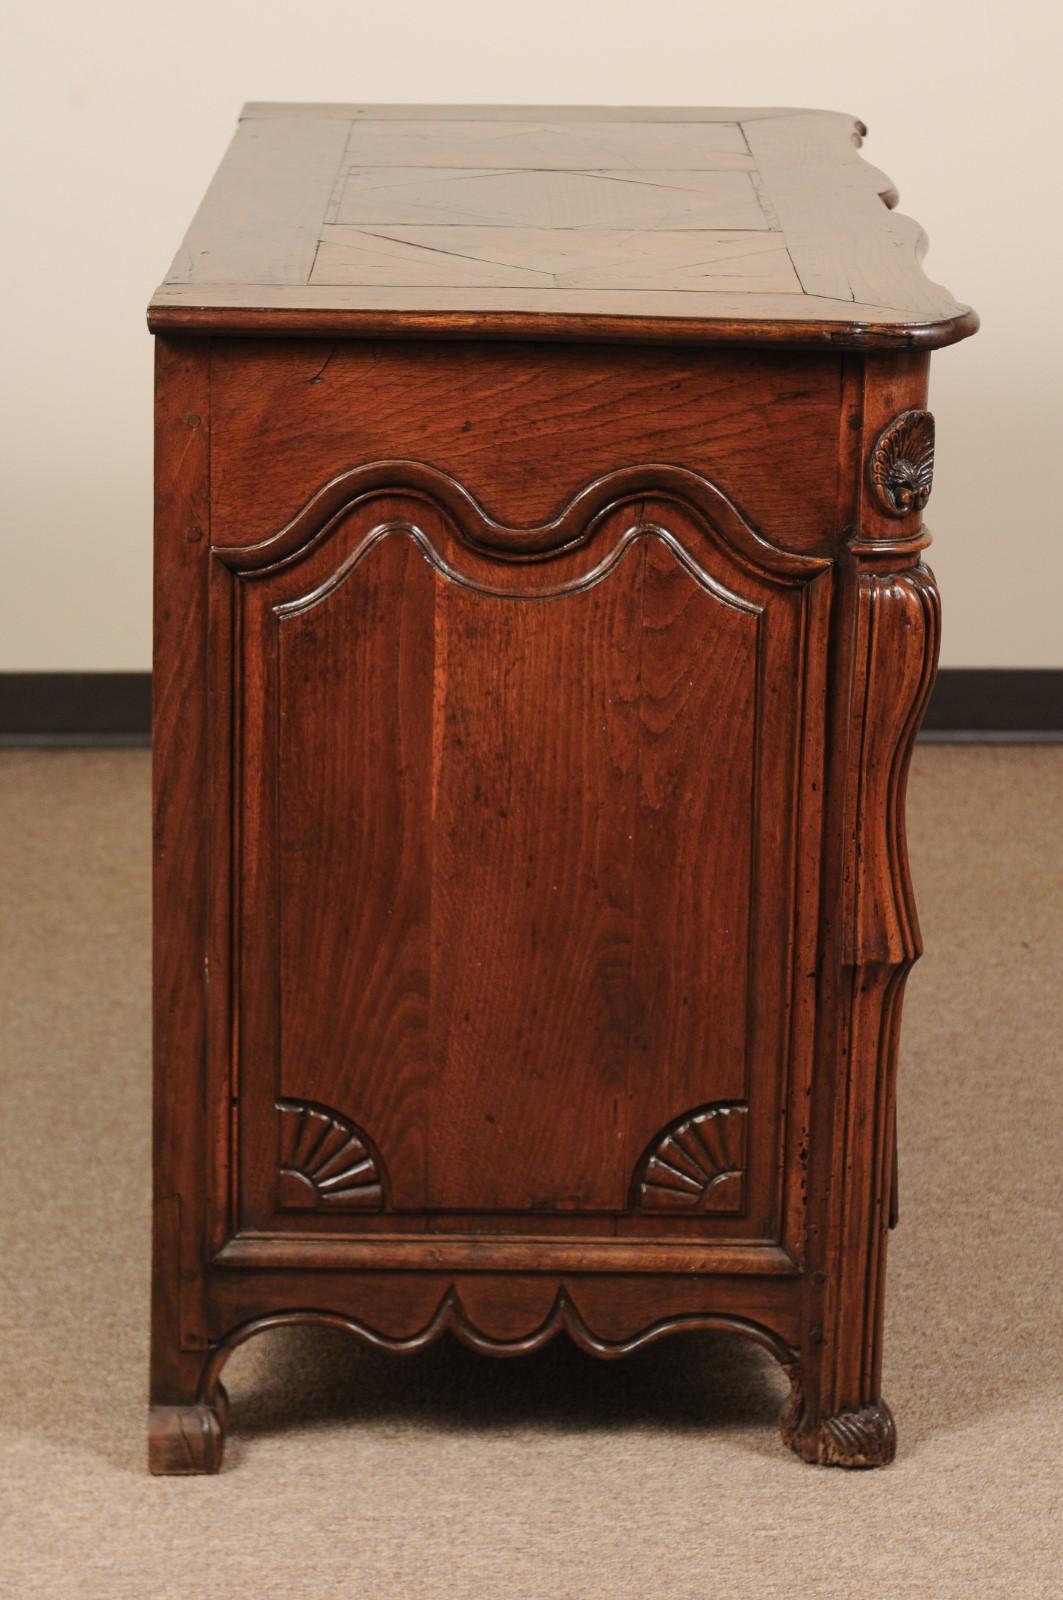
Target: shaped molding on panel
578 524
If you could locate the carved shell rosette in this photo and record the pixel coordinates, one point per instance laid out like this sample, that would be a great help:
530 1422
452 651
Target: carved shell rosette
902 463
326 1161
696 1164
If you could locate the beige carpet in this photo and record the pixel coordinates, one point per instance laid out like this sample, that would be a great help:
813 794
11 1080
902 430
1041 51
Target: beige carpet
353 1474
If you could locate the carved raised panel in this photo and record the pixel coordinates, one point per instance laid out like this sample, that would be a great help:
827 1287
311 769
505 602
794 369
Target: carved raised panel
476 794
902 463
698 1164
326 1161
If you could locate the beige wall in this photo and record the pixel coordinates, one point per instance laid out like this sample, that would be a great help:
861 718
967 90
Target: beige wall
119 112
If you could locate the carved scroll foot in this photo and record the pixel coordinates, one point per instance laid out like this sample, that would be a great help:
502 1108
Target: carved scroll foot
187 1439
863 1438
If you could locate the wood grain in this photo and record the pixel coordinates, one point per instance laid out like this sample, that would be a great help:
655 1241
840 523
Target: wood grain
722 225
534 813
355 1027
545 142
726 259
844 243
180 889
524 427
282 174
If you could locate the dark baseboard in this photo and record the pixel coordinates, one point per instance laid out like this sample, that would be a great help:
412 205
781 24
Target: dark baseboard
974 704
996 705
75 708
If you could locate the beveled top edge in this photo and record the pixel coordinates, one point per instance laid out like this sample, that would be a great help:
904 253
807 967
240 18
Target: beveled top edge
180 315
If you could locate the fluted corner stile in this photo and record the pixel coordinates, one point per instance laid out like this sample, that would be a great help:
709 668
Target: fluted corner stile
897 637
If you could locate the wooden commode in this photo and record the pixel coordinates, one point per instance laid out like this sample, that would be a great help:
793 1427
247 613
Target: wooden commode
542 633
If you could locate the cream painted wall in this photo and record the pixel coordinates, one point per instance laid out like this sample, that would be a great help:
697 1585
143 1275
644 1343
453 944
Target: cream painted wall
117 114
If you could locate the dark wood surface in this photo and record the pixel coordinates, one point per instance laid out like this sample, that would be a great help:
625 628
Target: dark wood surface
532 909
727 225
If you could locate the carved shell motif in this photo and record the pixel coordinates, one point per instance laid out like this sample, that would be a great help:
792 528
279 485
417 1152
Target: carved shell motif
902 463
697 1164
326 1160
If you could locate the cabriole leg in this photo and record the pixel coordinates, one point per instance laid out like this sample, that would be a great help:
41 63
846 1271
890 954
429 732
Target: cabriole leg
837 1416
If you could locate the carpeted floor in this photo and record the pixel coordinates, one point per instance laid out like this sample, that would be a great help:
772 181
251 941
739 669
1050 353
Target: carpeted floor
557 1478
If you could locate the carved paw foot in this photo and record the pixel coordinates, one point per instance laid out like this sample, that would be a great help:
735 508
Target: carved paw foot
187 1439
863 1438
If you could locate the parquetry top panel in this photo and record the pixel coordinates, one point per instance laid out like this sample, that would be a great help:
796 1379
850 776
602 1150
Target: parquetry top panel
720 225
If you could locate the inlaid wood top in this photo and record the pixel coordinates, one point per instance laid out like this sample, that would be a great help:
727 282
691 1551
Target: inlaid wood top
719 225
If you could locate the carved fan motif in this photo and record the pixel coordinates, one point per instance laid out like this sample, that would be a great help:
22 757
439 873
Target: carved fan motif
698 1164
902 463
326 1160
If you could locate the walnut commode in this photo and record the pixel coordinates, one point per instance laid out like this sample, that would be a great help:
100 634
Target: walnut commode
542 633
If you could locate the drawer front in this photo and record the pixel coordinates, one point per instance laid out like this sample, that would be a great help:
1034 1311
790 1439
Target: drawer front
520 927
